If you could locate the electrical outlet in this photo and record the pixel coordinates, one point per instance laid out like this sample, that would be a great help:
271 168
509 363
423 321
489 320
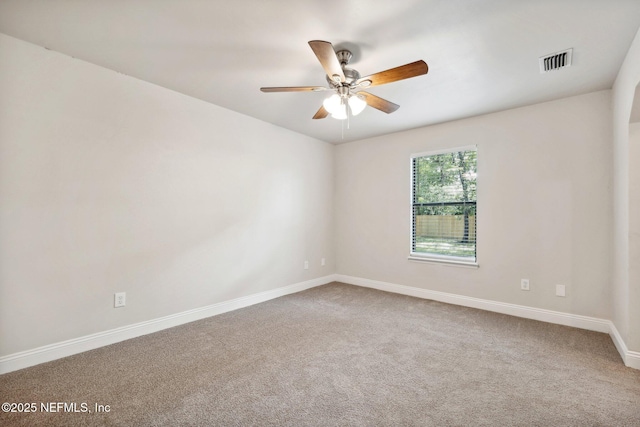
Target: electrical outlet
120 299
322 262
560 291
306 265
524 284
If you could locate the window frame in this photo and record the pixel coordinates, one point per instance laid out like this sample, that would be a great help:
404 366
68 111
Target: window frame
436 258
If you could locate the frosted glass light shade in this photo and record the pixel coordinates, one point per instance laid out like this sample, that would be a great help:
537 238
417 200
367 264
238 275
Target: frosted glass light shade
332 104
341 113
357 104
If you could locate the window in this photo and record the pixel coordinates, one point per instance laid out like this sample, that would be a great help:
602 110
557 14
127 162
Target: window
443 198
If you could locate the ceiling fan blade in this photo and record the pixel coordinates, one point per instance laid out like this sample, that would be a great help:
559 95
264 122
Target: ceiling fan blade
402 72
379 103
321 113
294 89
327 57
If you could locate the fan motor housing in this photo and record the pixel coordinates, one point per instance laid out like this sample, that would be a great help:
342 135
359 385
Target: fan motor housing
350 75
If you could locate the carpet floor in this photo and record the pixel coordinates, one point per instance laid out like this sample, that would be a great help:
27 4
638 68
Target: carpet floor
339 355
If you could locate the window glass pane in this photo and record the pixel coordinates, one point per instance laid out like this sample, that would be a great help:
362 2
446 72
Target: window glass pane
444 204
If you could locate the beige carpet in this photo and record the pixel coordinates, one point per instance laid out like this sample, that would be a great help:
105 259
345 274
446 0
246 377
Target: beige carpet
340 355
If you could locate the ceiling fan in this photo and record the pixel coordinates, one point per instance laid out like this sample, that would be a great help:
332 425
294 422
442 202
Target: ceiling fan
347 83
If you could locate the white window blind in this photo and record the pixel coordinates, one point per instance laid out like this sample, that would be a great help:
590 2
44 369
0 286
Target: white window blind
444 205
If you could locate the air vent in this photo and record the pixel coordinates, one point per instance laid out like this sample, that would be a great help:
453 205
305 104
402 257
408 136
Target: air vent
555 61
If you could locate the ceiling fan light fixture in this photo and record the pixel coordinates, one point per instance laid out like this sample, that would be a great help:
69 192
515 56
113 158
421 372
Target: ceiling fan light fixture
357 104
346 82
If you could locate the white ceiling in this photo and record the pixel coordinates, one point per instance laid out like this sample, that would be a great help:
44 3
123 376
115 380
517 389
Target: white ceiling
482 55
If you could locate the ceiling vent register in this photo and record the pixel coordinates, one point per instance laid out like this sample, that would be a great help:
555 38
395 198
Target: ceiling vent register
555 61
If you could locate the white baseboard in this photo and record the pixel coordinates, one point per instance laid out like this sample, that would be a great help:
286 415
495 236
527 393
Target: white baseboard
630 358
70 347
560 318
55 351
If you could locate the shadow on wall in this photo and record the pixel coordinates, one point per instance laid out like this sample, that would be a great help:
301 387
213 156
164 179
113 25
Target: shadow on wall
634 221
635 109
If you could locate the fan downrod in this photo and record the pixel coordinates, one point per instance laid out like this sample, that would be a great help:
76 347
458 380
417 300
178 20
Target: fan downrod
344 56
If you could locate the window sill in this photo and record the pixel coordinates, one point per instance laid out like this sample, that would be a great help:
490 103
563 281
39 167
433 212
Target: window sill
443 261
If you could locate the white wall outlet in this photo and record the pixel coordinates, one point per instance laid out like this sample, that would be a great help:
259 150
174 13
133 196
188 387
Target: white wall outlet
306 265
120 299
322 262
561 291
524 284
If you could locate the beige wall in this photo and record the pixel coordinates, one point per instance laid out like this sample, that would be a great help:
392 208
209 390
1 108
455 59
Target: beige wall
544 206
108 184
626 257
